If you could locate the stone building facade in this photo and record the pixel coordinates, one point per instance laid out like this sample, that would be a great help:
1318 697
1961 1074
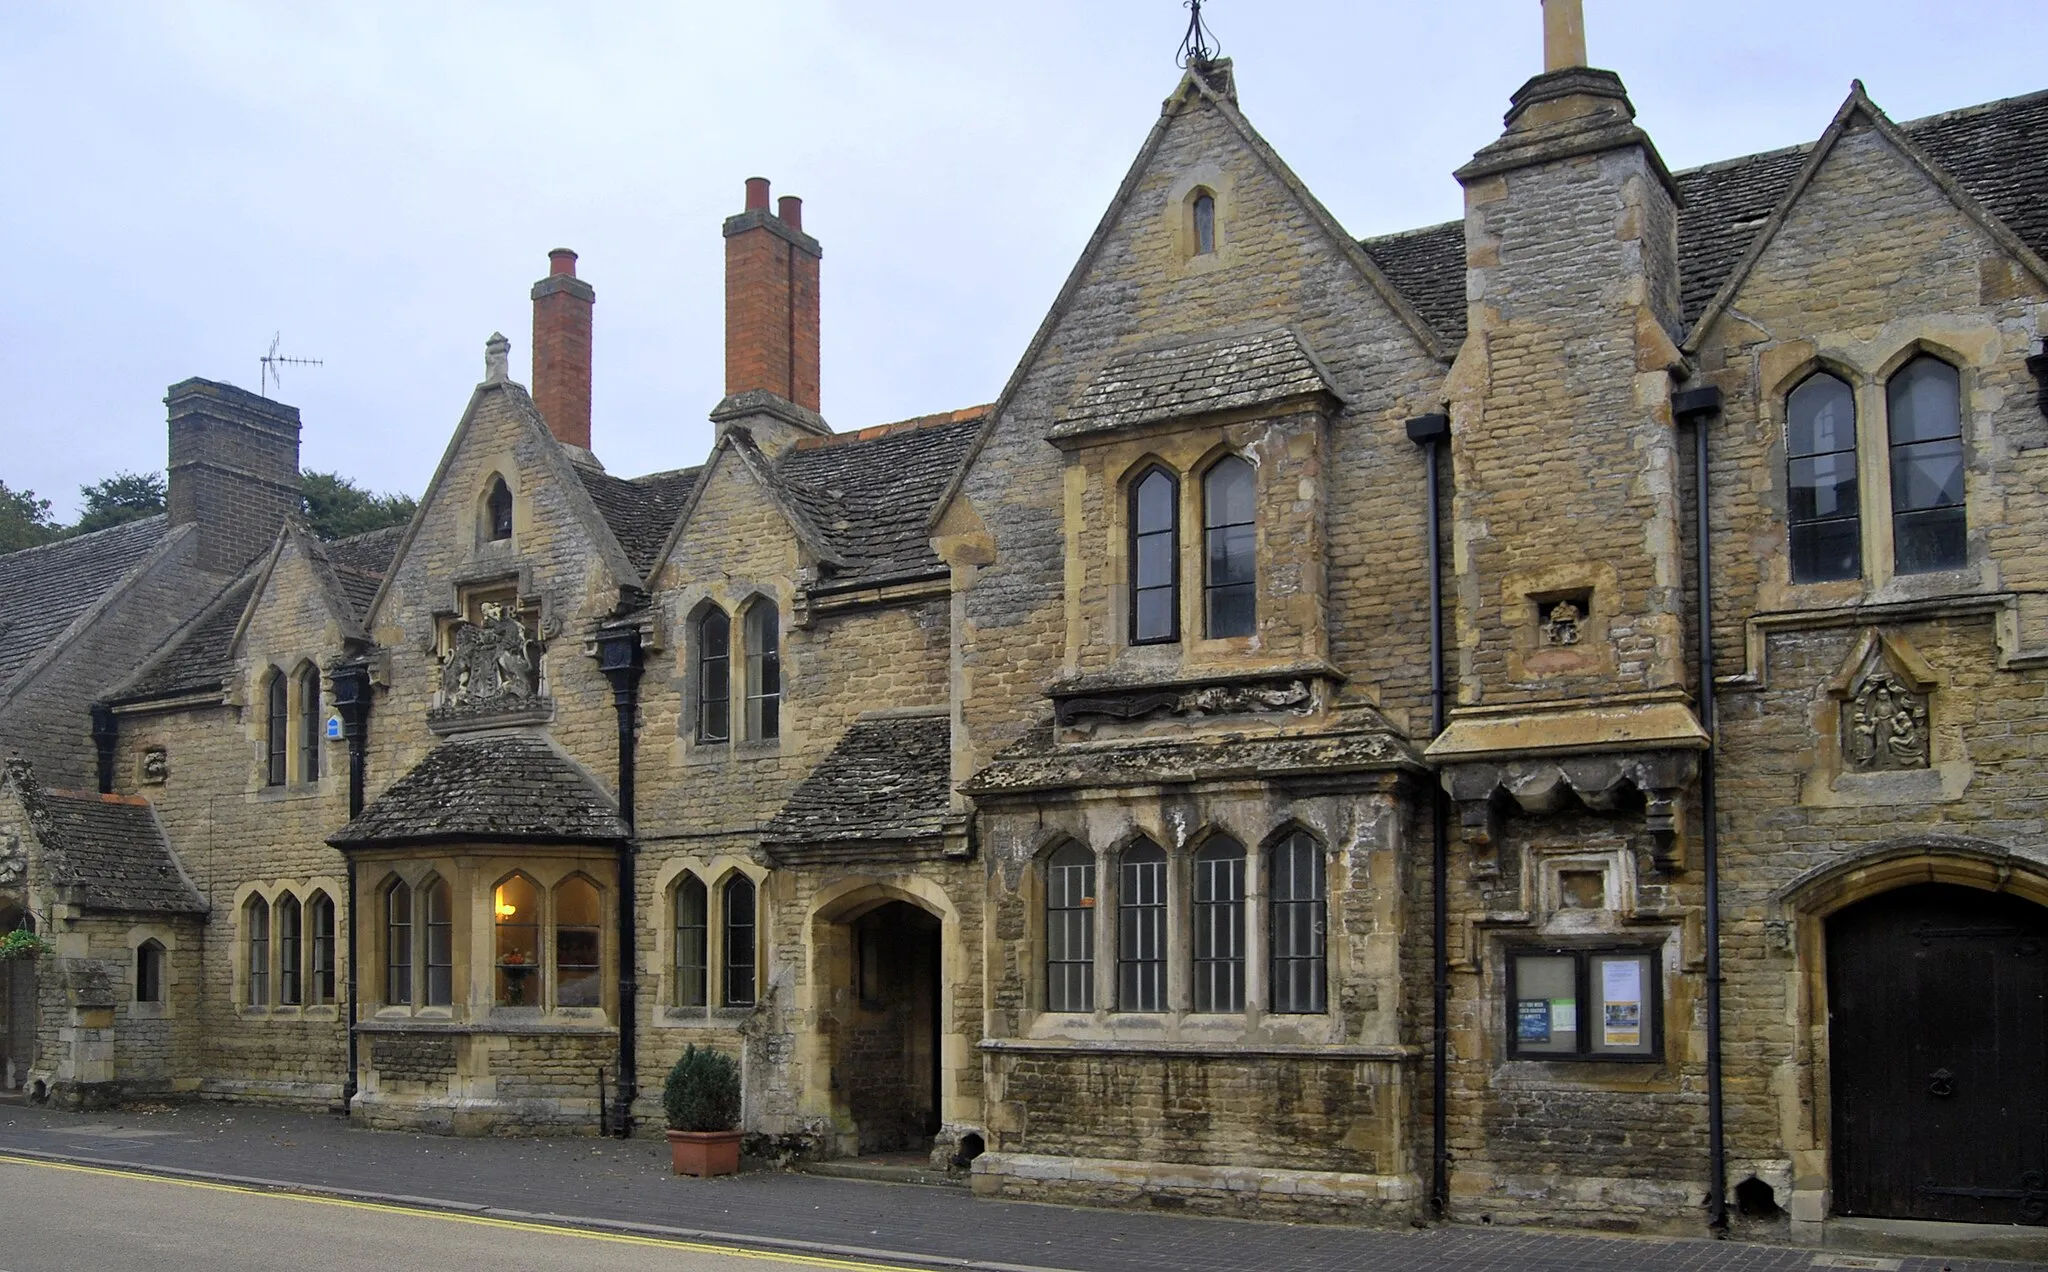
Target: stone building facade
1150 788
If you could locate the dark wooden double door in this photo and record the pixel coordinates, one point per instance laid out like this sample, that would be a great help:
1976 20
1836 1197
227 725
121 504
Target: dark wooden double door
1938 1037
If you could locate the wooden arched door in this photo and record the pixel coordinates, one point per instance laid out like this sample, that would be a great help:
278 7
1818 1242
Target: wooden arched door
1938 1043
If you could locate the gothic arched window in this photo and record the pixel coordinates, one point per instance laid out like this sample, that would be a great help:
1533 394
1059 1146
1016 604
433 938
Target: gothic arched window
739 941
1141 928
1155 558
1924 412
714 676
693 943
764 671
1219 925
276 729
1823 505
1229 550
498 511
1070 930
1205 223
1297 934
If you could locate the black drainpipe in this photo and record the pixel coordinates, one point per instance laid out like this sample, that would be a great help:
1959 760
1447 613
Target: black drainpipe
352 701
1696 406
1431 432
618 656
106 732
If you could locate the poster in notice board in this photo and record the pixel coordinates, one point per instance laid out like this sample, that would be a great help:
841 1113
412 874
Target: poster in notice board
1532 1020
1621 995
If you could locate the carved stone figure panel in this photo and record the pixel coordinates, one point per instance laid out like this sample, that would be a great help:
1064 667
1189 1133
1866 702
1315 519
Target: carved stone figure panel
1294 697
492 667
1884 725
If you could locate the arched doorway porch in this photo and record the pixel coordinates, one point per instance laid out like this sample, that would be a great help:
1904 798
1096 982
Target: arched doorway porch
882 968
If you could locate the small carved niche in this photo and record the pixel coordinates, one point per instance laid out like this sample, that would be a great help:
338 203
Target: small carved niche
1561 618
1883 716
1581 889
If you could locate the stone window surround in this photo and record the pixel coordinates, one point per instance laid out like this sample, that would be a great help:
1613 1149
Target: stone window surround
295 782
1869 381
1177 209
495 468
734 744
164 1006
473 936
1190 491
1180 1018
714 872
269 895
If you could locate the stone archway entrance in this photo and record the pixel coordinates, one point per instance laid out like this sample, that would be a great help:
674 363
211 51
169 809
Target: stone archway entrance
1938 1038
17 1011
885 1054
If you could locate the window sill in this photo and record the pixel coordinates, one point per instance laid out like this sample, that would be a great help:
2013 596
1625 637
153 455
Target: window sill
496 1025
702 1017
1218 1047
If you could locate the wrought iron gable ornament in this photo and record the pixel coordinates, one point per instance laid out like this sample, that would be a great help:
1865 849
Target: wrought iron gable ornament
1198 47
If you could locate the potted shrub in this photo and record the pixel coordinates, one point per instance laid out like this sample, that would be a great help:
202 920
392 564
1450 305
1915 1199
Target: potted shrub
702 1100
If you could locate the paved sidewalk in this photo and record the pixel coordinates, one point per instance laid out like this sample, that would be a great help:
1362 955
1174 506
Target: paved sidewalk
609 1182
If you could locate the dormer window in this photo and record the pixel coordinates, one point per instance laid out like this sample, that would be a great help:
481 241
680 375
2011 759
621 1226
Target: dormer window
498 512
1205 223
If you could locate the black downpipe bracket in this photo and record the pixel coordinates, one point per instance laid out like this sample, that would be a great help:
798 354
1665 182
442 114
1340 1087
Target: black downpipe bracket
1431 432
352 702
1697 406
618 656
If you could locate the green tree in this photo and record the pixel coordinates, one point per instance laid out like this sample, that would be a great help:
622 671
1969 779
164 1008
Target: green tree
116 500
336 507
25 520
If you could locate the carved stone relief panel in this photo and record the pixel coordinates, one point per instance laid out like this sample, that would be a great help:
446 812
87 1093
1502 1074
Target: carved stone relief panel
156 765
1884 725
491 662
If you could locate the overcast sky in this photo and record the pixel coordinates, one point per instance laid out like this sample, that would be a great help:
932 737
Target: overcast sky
382 182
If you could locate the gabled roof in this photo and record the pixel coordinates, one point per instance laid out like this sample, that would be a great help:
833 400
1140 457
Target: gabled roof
489 788
870 494
360 563
641 511
1995 154
198 657
887 779
105 852
1225 374
44 590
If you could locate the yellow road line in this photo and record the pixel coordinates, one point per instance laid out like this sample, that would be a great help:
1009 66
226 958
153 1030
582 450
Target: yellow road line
486 1221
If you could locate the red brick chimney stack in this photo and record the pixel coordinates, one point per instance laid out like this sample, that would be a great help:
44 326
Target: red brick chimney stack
561 349
771 301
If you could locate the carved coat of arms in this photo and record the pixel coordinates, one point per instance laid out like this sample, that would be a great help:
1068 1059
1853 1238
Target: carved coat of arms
491 661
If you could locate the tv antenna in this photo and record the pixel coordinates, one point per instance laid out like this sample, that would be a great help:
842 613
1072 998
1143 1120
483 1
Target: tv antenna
273 360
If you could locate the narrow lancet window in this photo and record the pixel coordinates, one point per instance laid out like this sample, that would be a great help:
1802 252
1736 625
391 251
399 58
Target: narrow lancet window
1141 928
1230 550
764 672
714 676
693 943
1923 406
739 942
1822 494
1155 559
1298 933
1219 926
1205 223
1070 930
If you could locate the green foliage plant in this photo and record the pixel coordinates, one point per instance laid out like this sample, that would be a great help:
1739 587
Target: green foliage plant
23 944
703 1091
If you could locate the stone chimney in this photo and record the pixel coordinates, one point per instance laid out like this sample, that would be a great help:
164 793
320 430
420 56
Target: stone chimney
1562 430
234 469
561 349
771 321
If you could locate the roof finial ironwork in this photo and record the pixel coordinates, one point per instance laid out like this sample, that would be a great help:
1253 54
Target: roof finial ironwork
1199 46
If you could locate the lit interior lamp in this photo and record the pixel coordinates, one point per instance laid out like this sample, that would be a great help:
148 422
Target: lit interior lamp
506 909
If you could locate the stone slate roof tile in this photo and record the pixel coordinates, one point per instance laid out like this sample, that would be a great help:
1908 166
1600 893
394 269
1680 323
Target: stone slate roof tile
640 511
1225 374
887 779
870 493
507 787
1428 267
105 852
197 657
360 563
1997 152
43 590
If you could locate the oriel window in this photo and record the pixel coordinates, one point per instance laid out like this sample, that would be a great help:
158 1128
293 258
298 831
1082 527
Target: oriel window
1155 559
1141 928
515 906
1229 550
1219 926
1923 407
1070 929
398 945
764 671
578 940
714 676
1823 495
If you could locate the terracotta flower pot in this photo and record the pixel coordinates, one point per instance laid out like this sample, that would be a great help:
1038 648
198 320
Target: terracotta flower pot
705 1153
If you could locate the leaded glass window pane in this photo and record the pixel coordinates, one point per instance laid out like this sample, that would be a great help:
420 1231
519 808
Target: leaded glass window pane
290 948
1219 926
277 715
1923 406
1230 550
322 910
1155 559
739 942
1822 492
1298 926
714 676
256 922
693 943
1070 930
440 945
764 672
398 945
1141 928
1205 224
578 941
